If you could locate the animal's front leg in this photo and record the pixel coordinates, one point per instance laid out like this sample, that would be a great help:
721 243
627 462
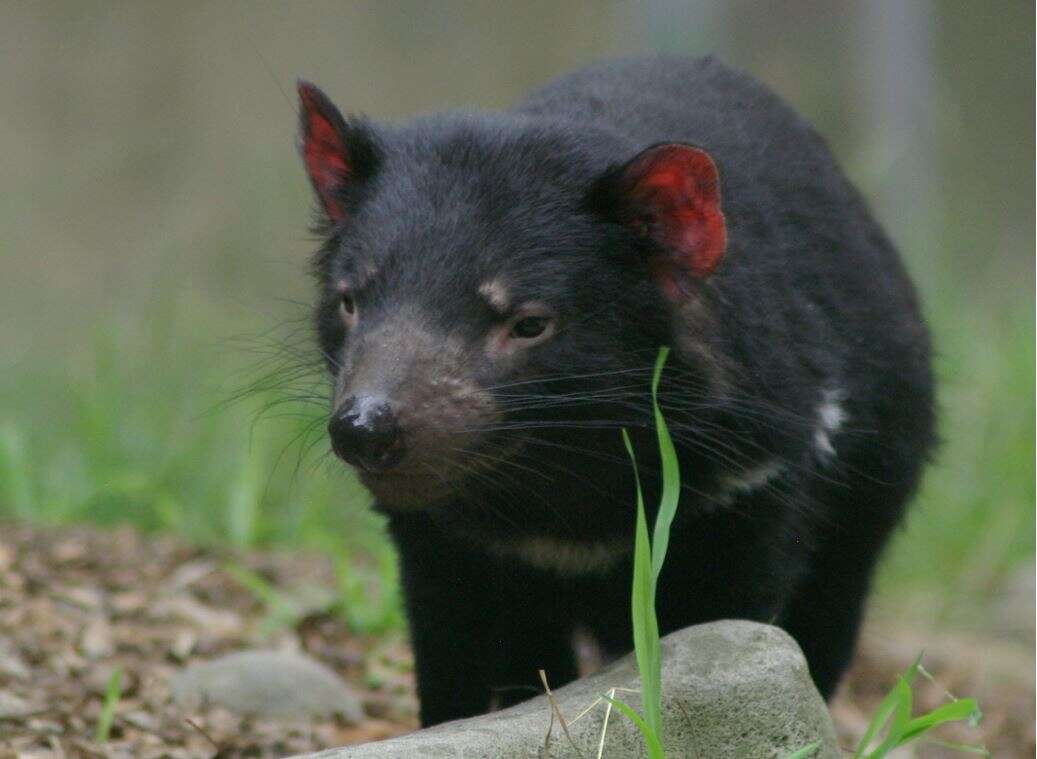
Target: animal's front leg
454 605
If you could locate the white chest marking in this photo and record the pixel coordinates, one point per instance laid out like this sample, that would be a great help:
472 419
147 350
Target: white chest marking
830 418
752 479
749 480
563 556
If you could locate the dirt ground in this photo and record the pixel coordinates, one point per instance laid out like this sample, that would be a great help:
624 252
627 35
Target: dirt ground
77 603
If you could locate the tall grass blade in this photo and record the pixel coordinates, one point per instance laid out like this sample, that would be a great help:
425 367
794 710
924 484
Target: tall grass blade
648 561
642 607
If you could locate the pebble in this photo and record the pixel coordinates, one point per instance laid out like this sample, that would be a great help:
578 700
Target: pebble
87 598
96 640
12 707
11 664
268 684
218 623
183 644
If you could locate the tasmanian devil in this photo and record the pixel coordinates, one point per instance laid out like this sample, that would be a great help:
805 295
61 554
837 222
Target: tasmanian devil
494 288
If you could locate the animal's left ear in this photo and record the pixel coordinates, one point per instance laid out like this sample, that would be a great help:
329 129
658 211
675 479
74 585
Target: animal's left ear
670 195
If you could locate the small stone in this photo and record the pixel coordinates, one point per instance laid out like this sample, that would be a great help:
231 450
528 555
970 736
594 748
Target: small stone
70 549
96 640
218 623
141 720
46 727
11 664
86 598
128 602
190 573
183 644
267 684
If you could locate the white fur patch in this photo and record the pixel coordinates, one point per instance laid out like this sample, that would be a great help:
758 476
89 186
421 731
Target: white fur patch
752 479
749 480
496 294
830 418
565 557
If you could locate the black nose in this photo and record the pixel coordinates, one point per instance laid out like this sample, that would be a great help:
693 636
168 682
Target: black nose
364 432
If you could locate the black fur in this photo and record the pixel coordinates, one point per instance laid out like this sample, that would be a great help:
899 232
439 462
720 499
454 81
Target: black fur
809 305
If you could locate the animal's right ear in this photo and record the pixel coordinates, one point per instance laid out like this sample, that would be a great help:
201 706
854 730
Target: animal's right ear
339 155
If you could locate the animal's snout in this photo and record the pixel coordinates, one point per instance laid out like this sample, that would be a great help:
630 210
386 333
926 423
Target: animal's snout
365 432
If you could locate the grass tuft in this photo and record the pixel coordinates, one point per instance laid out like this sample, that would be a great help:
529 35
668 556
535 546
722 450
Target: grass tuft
112 694
893 719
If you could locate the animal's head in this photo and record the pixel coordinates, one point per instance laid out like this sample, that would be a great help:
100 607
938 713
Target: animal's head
484 284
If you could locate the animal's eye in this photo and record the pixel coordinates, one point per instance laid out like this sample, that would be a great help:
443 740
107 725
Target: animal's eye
530 327
532 324
348 304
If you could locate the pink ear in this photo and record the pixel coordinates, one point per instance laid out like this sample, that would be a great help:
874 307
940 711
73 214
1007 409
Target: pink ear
671 194
324 148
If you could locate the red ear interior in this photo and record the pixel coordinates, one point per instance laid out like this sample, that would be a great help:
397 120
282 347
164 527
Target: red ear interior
324 148
672 194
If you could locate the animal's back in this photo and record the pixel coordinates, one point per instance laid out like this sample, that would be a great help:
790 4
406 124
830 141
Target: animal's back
811 278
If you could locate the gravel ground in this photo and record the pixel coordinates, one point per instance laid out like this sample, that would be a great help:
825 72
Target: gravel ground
75 604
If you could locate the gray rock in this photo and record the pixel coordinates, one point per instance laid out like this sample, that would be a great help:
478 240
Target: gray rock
730 689
267 684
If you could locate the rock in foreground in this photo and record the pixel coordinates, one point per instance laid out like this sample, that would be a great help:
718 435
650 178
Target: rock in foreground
730 689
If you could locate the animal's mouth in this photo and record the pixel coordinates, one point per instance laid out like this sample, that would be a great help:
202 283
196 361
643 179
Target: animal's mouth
425 483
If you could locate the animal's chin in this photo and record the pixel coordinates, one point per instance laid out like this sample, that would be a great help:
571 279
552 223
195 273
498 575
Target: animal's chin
399 491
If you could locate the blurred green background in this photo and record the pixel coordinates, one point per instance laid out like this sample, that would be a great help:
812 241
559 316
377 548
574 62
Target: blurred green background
154 245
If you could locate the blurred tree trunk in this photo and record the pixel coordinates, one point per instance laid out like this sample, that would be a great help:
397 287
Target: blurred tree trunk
898 111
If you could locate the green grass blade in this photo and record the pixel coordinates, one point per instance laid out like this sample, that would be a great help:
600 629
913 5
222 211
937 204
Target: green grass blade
280 610
806 751
886 710
652 741
878 721
901 717
243 505
14 473
961 709
111 700
642 607
671 475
